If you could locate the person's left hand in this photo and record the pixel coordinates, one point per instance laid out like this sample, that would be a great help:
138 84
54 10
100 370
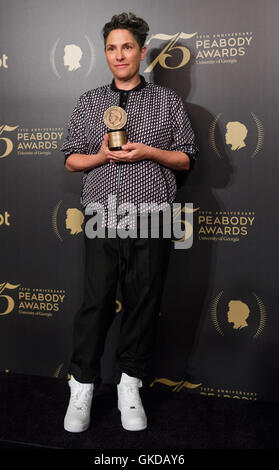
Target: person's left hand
130 153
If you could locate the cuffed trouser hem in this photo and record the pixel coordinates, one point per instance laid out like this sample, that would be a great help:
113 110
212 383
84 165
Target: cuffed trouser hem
84 379
96 380
131 372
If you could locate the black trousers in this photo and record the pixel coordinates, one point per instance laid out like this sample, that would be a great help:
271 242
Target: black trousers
140 264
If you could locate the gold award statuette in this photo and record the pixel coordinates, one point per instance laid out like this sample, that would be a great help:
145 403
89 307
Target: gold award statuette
115 119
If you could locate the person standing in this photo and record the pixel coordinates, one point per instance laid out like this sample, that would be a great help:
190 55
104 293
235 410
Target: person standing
160 142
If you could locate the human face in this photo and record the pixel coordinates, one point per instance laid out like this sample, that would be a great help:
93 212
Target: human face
123 55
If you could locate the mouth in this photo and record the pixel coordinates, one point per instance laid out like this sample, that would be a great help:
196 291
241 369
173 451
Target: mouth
120 66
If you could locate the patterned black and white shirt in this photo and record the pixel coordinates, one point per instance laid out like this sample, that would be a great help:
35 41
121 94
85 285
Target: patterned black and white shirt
155 117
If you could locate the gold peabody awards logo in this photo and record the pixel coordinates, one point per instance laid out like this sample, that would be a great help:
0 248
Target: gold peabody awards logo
66 221
225 226
222 48
240 315
70 58
29 141
215 48
205 390
31 301
241 137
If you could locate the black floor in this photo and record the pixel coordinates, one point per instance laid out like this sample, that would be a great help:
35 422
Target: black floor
32 412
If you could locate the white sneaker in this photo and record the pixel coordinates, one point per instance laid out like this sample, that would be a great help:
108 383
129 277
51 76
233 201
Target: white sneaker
133 416
77 418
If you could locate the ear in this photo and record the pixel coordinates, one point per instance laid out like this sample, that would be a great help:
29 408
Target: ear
143 53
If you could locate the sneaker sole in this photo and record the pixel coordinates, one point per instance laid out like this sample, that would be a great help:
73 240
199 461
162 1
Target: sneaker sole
132 428
70 428
128 428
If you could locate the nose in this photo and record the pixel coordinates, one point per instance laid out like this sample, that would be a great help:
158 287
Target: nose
119 55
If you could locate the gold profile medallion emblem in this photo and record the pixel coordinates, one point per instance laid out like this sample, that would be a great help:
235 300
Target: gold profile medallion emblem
115 119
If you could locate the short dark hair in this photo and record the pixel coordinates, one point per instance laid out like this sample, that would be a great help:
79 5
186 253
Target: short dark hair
137 26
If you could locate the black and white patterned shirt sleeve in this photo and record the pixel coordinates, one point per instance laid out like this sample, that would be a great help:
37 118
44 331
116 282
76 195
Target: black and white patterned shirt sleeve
76 140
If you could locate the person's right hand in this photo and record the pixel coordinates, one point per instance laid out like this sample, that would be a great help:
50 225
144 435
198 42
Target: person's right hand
104 150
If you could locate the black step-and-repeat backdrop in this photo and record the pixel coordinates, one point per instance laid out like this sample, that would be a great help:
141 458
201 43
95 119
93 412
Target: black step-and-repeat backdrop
218 326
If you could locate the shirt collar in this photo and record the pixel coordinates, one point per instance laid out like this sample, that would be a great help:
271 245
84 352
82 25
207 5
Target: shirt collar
141 85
